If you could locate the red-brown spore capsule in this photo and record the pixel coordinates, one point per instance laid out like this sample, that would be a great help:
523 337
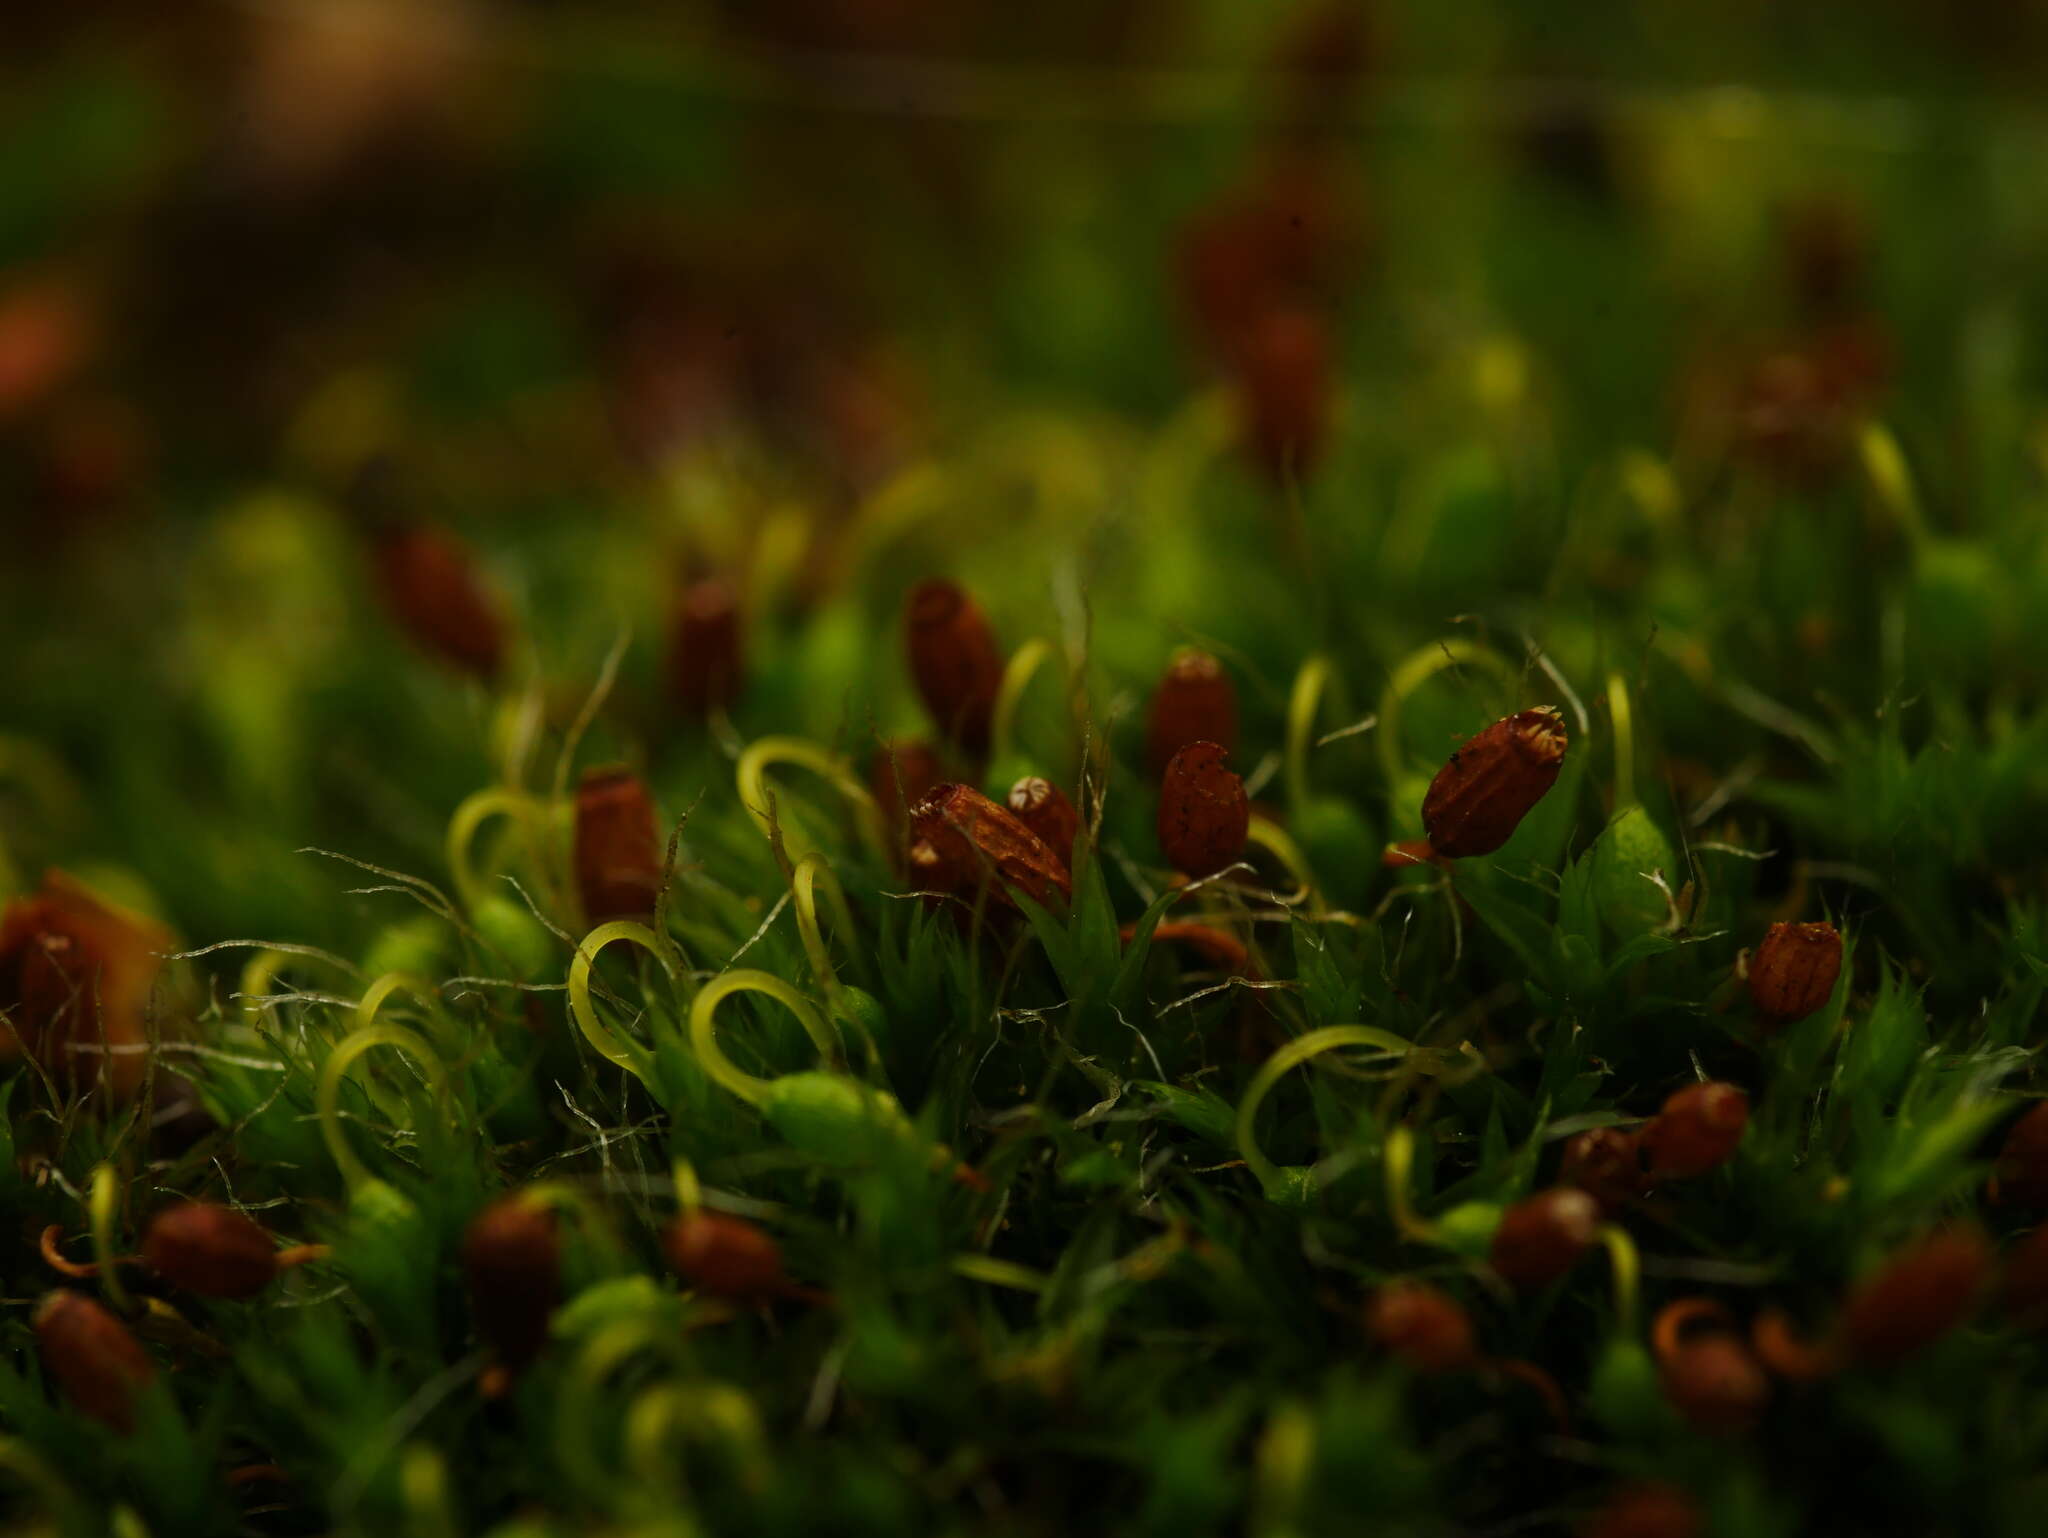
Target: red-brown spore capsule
901 773
707 649
97 1364
1204 815
1916 1297
1539 1240
1793 972
430 586
1708 1372
725 1256
1195 702
75 983
954 661
512 1260
1698 1130
210 1250
1646 1511
1285 382
2022 1170
1489 785
2023 1280
1607 1164
961 841
618 855
1044 808
1423 1326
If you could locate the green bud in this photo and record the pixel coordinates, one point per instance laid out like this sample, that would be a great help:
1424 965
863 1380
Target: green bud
1632 846
1625 1392
863 1012
610 1302
511 930
1468 1228
837 1120
415 946
1292 1185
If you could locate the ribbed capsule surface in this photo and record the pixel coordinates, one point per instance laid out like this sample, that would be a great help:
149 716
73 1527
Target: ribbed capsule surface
1489 785
512 1261
1044 808
954 661
962 841
429 584
1195 702
1698 1130
1423 1326
211 1250
1918 1295
725 1256
96 1363
1204 815
1793 972
1542 1238
706 658
618 852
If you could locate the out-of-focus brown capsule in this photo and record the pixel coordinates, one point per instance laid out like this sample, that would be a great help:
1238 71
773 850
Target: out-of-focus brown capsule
97 1364
1921 1293
960 840
1286 380
1489 785
1698 1130
1224 952
210 1250
901 773
2022 1169
1793 972
707 652
725 1256
1423 1326
1044 808
512 1259
1786 1351
618 853
1607 1164
1708 1373
1539 1240
2023 1280
75 981
1195 702
1204 814
1645 1511
429 582
954 661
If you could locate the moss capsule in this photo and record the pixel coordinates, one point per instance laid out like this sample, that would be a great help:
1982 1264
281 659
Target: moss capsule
512 1261
1607 1164
954 661
725 1256
1706 1368
1204 815
1423 1326
901 773
962 842
1539 1240
1286 379
618 856
211 1250
1646 1510
97 1364
2022 1169
1793 972
1489 785
430 586
706 657
1044 808
1698 1130
1195 702
2023 1280
1917 1296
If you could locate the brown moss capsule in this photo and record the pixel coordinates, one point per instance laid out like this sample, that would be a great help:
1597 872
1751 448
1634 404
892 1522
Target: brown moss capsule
1044 808
618 854
1607 1164
901 773
1423 1326
512 1260
2022 1169
75 982
210 1250
1195 702
725 1256
1698 1130
1793 972
1645 1511
1921 1293
430 586
706 655
1539 1240
1489 785
954 661
96 1363
1204 815
1219 950
1707 1370
1285 382
2023 1280
960 840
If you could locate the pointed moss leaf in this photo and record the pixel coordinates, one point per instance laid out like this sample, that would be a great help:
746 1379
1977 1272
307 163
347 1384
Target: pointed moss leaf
1201 1111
